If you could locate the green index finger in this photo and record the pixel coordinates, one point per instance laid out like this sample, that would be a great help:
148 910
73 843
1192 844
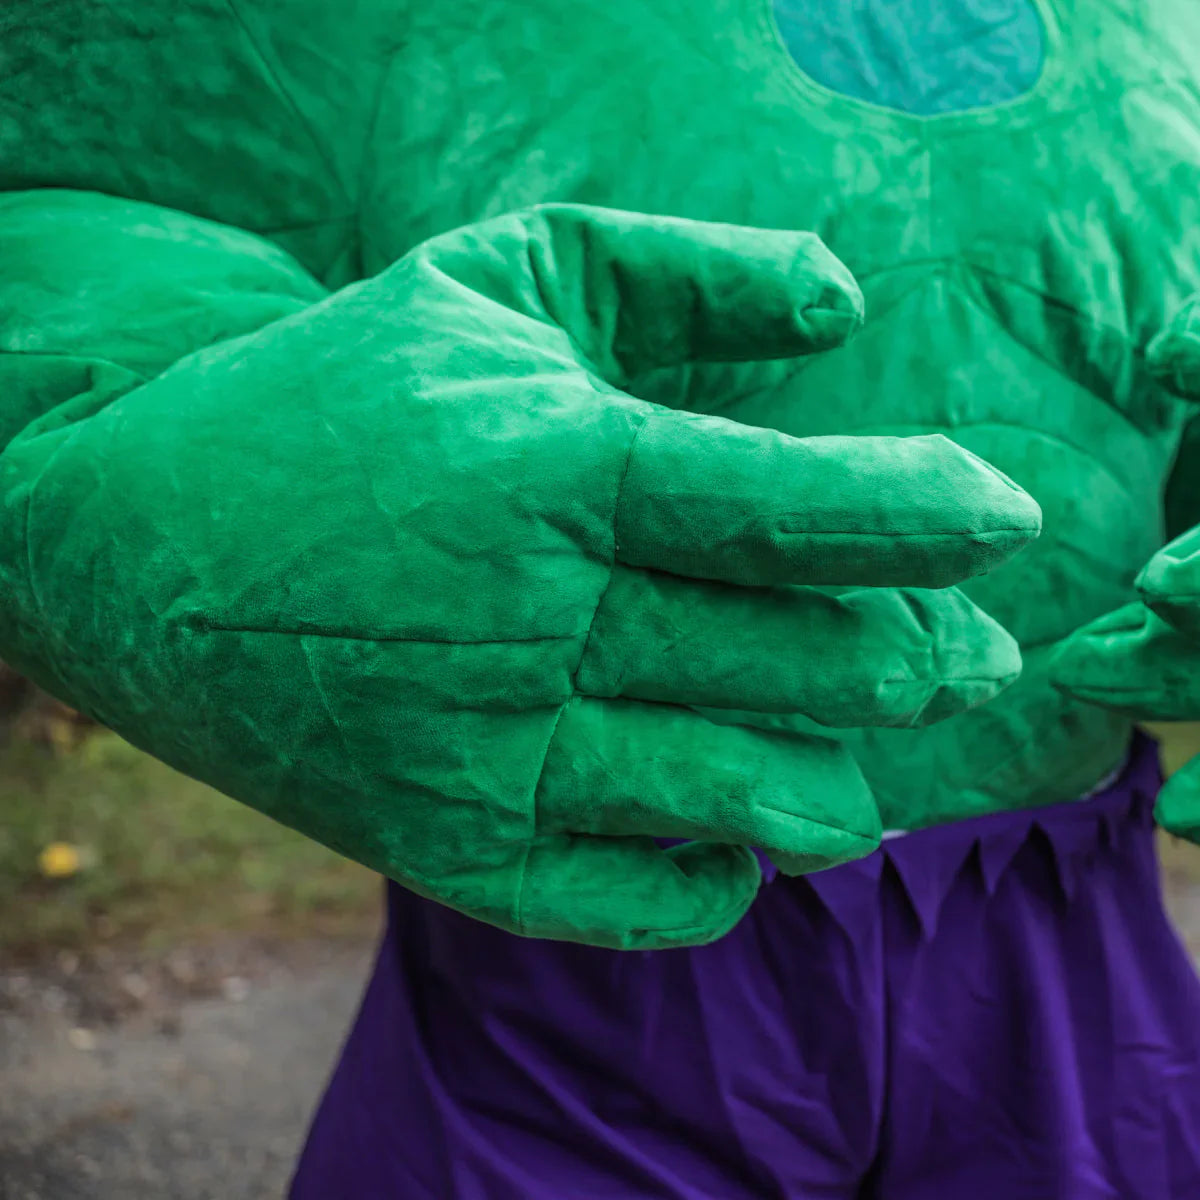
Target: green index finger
711 499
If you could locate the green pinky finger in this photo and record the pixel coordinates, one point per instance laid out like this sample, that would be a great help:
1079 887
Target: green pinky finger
628 894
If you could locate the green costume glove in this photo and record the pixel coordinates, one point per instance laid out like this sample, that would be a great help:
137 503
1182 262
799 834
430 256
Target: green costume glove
407 569
1144 659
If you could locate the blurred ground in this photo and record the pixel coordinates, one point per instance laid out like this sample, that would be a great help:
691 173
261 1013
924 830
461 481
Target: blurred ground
171 1005
202 1094
175 977
161 859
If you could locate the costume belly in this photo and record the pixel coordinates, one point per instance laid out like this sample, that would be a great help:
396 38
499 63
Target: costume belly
1020 233
1098 481
1014 183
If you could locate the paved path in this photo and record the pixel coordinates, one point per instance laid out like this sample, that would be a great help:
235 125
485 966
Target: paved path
207 1102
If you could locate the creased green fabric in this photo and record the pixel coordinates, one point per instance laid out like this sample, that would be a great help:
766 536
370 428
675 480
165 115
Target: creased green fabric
1144 659
406 568
369 456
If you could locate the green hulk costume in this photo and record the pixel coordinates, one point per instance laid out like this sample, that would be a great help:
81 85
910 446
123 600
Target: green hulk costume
586 460
371 456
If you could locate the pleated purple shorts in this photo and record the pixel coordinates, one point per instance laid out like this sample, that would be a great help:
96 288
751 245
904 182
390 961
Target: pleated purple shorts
991 1010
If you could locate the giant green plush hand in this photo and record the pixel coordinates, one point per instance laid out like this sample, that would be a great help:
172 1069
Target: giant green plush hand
409 571
1144 659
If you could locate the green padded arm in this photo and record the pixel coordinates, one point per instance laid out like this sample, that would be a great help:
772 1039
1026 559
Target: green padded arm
99 295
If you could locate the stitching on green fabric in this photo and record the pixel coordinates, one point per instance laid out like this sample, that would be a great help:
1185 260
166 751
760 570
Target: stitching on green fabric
975 268
27 538
286 96
200 625
523 870
1147 695
612 570
783 812
361 182
799 365
289 100
899 681
1136 351
1032 430
323 697
892 537
551 319
1056 439
67 356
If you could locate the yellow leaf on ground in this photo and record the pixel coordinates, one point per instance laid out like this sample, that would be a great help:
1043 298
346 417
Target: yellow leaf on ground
59 860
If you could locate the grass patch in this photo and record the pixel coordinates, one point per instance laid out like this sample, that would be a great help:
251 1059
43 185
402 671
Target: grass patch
163 859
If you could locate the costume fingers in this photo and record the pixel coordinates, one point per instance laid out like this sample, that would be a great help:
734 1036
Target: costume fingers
636 292
619 767
708 498
1170 583
1134 662
869 657
627 893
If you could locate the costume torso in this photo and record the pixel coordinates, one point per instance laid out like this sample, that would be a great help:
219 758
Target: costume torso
1016 258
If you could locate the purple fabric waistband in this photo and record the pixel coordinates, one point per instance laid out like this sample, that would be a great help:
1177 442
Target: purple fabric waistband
927 860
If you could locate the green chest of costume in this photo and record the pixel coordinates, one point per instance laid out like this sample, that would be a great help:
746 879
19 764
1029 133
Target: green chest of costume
1015 260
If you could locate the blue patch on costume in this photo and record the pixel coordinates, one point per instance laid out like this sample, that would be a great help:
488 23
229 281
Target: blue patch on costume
919 56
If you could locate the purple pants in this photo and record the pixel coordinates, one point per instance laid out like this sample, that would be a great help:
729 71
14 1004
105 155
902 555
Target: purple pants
993 1010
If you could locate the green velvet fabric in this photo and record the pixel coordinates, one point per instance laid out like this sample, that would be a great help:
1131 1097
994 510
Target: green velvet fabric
372 456
1144 659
